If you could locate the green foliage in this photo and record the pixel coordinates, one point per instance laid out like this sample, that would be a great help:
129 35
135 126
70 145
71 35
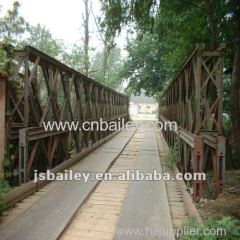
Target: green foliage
111 75
143 68
42 39
8 162
121 12
75 58
172 28
227 85
227 125
12 25
4 187
2 206
12 28
8 65
172 156
72 144
17 32
3 59
226 223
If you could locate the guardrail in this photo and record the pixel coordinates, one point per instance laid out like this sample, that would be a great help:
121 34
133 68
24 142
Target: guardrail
193 99
40 88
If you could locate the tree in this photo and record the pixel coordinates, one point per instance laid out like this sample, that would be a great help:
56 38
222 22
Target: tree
143 68
99 73
235 111
108 43
12 25
86 37
75 58
42 39
179 25
122 12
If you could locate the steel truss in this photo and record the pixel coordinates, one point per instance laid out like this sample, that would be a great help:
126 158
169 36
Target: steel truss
193 99
47 90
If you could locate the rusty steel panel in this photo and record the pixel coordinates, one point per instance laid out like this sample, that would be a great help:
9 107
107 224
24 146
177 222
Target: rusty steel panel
47 90
193 99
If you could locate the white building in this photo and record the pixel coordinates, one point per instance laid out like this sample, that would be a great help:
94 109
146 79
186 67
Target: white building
143 107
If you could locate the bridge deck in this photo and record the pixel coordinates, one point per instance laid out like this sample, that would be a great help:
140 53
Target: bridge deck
101 210
146 208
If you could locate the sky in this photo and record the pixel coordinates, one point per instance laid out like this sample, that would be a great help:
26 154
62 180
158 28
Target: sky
64 19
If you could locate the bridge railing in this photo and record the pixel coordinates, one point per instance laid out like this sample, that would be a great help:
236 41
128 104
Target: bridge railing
41 89
193 99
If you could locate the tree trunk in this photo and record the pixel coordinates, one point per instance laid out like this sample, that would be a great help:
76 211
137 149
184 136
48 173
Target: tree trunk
86 38
105 61
236 91
211 23
236 102
106 50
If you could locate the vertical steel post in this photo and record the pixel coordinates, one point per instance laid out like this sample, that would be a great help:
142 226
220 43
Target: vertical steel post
2 119
23 155
23 144
221 155
198 76
198 166
26 93
220 93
